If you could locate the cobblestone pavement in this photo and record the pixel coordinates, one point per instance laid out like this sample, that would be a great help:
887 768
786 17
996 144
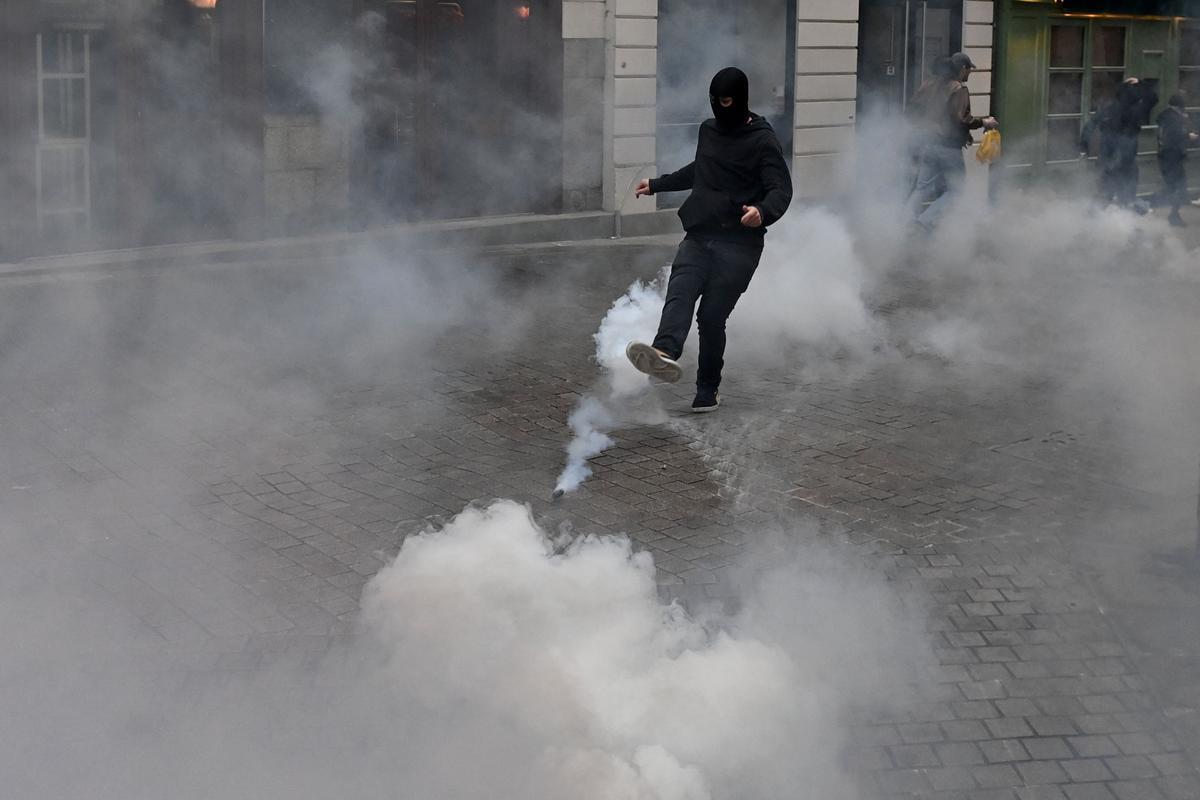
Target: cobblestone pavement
227 508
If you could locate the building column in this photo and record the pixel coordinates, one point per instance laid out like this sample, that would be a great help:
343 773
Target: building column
826 91
241 65
631 118
977 43
978 36
585 48
18 126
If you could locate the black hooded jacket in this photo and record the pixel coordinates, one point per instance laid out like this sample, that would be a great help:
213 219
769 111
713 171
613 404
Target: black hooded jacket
1173 131
733 168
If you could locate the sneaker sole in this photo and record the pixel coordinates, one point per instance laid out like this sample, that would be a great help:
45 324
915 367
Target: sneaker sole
705 409
648 360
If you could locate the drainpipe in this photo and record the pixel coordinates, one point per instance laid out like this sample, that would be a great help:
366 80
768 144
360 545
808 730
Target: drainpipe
624 198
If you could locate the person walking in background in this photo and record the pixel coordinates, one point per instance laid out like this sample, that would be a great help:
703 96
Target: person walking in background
1118 123
1174 136
921 128
944 123
739 184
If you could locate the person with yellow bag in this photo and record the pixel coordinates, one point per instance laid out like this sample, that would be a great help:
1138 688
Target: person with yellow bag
944 125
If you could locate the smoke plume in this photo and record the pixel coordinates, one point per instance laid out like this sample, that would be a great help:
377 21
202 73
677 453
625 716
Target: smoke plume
633 317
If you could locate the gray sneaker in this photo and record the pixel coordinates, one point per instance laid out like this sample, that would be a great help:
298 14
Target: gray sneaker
650 361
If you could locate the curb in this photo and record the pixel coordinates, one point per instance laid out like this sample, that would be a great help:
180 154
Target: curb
472 233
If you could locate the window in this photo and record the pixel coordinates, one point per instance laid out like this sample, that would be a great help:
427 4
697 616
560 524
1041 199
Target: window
1064 107
1086 65
1189 63
1108 63
64 131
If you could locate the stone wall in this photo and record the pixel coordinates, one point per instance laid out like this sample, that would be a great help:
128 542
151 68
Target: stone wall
307 174
584 71
826 93
978 37
634 70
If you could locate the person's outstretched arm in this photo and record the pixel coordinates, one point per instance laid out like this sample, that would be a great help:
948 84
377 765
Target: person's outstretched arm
679 181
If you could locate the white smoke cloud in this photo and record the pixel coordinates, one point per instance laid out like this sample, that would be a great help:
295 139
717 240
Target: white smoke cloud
807 292
566 647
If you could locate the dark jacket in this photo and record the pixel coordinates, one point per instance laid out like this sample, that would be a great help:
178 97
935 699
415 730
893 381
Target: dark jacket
733 168
1173 129
1119 121
942 112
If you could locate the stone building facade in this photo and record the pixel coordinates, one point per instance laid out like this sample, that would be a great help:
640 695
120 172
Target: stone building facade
293 116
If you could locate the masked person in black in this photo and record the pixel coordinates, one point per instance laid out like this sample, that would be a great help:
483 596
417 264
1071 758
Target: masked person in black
1174 137
1119 122
740 185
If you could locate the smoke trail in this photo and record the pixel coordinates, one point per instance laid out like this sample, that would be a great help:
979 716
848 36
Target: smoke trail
634 316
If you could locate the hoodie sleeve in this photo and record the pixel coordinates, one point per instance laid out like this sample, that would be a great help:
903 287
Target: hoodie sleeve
776 181
678 181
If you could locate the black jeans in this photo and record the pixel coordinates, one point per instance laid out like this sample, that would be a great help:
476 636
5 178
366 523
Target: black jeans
717 272
1119 170
1175 181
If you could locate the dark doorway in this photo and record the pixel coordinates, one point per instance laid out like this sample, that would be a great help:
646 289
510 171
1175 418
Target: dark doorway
899 40
461 109
183 138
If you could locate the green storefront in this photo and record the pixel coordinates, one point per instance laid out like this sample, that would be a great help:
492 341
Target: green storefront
1057 60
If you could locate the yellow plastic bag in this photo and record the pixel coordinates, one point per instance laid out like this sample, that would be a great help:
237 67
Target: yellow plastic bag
990 148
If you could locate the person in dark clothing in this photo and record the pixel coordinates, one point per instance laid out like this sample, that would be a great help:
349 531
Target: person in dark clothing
944 123
1118 122
941 72
1174 136
740 185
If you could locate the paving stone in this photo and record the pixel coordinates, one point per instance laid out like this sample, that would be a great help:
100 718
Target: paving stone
1042 772
1008 728
914 755
1180 787
1051 747
1135 790
1086 769
1088 791
1001 750
1093 746
966 730
950 778
954 754
996 776
1132 767
1040 793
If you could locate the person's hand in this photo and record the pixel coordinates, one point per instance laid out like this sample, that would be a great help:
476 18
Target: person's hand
751 217
990 123
643 188
1194 137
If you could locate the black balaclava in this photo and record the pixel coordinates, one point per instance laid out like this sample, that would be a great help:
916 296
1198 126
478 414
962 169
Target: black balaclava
730 82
